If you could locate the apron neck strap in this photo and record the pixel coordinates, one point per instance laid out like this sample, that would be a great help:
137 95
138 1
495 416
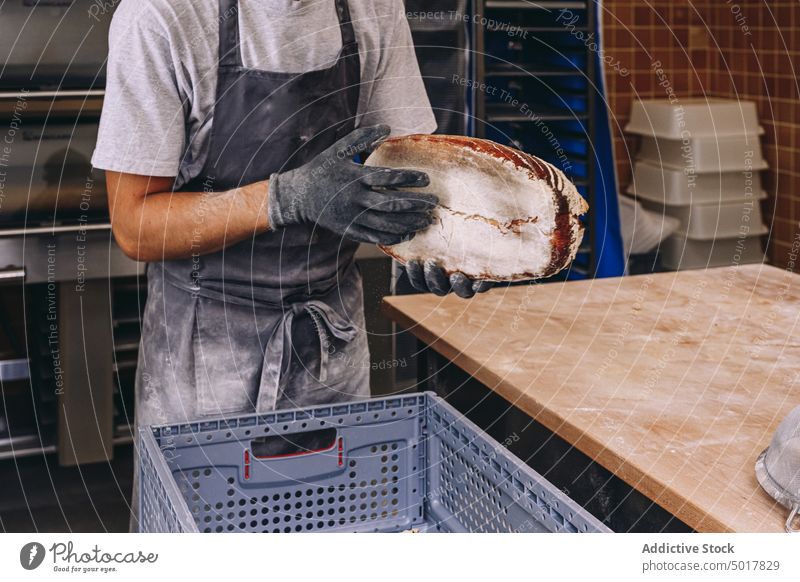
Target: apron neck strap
345 22
230 53
229 50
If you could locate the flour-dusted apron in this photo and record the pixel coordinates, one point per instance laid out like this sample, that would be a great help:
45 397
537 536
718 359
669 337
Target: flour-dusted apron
276 321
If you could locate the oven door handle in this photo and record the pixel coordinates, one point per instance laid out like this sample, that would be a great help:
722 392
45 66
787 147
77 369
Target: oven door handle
10 275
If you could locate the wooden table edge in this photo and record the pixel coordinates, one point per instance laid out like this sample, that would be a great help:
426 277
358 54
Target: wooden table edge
629 472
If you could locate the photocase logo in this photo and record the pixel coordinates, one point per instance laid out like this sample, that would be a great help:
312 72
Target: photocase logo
31 555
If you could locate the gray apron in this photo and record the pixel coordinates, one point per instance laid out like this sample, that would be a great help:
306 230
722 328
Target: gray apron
276 321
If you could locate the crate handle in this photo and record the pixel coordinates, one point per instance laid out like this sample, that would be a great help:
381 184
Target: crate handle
293 445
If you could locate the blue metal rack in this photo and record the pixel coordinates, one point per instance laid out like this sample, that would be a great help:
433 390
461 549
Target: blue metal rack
545 94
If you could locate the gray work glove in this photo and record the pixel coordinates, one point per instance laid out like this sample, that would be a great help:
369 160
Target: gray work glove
358 202
431 278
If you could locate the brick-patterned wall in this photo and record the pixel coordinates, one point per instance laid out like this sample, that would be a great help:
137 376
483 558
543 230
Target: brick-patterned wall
747 49
762 66
642 35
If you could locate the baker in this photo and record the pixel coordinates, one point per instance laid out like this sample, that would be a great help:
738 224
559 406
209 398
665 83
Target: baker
230 134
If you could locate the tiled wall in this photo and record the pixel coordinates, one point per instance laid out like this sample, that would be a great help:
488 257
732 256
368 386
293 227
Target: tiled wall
763 66
747 49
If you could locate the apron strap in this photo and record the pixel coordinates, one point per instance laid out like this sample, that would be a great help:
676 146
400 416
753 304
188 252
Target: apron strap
230 54
345 22
278 353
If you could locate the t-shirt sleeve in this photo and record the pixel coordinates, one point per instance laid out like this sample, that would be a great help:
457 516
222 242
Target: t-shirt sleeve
398 97
142 128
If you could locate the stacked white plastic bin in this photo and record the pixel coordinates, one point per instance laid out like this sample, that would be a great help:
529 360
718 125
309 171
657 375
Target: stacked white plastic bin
699 162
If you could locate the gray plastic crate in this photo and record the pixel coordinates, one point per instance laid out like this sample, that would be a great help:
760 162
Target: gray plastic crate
386 464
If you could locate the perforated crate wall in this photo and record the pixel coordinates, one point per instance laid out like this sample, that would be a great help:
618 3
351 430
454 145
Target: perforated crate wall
388 464
161 509
475 484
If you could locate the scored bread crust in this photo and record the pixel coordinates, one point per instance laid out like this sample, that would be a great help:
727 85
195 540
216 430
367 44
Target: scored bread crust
564 229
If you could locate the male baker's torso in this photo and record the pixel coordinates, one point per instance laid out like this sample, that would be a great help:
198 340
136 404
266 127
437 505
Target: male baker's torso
171 110
159 119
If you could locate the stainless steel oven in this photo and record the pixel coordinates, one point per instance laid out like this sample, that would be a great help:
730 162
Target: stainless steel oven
54 43
64 316
48 177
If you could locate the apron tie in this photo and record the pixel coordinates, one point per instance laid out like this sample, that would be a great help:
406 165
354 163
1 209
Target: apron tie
277 355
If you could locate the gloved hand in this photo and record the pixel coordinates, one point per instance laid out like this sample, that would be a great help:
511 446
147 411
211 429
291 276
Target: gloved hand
431 278
359 202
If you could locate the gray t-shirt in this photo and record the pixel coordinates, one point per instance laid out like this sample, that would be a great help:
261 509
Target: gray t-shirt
162 73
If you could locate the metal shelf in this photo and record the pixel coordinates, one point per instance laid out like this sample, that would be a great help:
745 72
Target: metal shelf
123 434
524 70
59 229
14 370
23 446
435 25
129 346
543 5
551 29
541 17
122 365
51 94
119 321
53 103
30 445
499 113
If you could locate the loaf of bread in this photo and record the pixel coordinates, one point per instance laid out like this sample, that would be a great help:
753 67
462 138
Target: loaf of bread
503 215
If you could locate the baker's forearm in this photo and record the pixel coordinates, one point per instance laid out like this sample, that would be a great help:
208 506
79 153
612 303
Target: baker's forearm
178 225
365 204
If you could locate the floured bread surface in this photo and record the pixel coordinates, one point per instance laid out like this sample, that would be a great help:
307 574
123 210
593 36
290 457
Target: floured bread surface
503 215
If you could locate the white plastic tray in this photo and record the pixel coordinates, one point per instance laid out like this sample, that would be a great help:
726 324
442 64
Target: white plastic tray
714 221
700 117
729 154
678 252
670 186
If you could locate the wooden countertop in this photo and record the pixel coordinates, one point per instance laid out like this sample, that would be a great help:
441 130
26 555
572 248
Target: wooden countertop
675 382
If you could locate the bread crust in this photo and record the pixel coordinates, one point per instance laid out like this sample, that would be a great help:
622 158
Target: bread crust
568 205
